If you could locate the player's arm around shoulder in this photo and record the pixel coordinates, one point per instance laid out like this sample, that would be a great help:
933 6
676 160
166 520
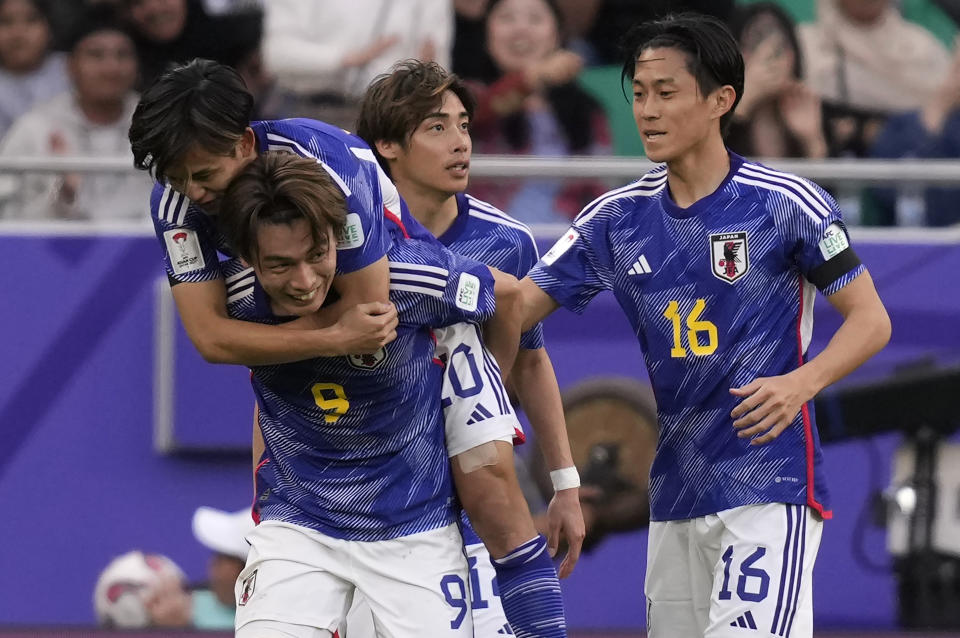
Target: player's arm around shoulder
222 339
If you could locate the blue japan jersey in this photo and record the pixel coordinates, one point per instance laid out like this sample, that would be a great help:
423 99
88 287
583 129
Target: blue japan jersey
718 294
189 237
355 445
483 232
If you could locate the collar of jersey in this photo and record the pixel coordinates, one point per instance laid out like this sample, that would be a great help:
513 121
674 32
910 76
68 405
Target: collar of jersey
670 207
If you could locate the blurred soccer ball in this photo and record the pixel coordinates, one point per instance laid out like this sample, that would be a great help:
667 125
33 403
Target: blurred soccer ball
125 585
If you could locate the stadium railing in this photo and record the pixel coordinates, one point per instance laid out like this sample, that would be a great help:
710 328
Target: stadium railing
845 173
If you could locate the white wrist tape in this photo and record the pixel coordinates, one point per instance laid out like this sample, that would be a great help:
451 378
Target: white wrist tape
565 479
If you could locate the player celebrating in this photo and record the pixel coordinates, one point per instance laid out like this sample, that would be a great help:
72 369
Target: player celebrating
355 488
714 260
416 119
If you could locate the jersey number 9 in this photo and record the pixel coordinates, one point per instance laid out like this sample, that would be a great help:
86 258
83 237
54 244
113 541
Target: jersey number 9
330 398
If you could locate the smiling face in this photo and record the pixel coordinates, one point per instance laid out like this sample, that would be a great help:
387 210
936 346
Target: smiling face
203 176
295 272
436 157
24 36
521 33
672 114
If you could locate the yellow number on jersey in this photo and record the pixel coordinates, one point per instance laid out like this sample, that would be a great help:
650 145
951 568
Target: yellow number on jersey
695 326
330 397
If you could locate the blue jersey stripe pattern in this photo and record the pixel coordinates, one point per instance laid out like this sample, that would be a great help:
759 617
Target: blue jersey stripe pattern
355 445
718 295
193 255
483 232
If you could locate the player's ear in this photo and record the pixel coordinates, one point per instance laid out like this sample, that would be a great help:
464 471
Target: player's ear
723 99
248 143
388 150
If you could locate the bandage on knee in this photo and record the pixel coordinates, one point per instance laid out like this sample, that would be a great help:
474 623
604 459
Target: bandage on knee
483 455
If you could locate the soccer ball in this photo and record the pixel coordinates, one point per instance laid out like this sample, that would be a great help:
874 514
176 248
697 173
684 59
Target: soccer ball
123 588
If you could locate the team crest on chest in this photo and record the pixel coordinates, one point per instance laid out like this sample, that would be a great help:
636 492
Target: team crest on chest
368 361
729 256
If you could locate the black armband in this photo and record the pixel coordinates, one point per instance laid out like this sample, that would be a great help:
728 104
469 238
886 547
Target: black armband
833 269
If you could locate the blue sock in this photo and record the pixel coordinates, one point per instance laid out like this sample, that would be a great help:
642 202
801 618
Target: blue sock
530 591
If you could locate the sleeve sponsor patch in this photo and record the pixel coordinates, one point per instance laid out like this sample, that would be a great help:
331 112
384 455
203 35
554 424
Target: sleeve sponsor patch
563 245
351 235
468 292
834 242
183 248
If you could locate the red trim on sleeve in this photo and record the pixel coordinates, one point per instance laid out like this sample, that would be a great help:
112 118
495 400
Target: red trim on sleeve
807 423
396 220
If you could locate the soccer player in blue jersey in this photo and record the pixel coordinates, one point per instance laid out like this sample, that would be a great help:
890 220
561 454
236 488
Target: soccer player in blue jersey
416 118
355 492
714 260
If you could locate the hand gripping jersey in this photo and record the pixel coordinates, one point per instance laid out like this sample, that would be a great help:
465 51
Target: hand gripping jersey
719 294
355 445
189 237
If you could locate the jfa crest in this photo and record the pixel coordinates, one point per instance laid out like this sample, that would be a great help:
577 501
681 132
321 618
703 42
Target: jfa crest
729 256
248 586
368 361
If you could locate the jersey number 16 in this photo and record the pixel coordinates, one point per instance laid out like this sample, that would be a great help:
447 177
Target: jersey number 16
695 327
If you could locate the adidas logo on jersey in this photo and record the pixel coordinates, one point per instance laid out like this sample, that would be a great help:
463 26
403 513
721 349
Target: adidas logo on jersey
745 621
640 267
479 414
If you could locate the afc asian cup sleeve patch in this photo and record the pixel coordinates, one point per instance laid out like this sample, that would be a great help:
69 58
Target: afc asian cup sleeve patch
834 242
563 245
183 248
468 292
351 235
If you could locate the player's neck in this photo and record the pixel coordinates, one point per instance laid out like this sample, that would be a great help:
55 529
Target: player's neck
435 210
698 172
100 112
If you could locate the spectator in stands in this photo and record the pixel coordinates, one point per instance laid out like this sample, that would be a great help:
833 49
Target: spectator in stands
933 131
176 31
778 116
529 103
223 533
91 120
324 54
866 62
29 71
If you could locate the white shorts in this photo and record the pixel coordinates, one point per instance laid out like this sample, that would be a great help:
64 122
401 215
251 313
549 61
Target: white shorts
744 568
476 408
413 584
489 620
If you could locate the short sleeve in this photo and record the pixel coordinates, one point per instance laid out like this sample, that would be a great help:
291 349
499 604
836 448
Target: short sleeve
572 271
364 238
187 237
432 286
527 257
817 240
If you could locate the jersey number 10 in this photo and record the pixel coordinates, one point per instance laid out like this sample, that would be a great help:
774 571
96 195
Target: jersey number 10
695 326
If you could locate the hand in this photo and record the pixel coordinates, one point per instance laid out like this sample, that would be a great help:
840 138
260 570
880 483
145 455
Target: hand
366 328
564 517
169 605
802 112
360 57
767 72
557 68
769 405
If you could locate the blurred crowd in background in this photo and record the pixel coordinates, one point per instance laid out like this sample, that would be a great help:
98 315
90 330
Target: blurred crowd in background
824 78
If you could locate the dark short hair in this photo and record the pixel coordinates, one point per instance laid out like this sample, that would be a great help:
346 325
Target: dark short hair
93 19
713 55
279 188
200 104
397 102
